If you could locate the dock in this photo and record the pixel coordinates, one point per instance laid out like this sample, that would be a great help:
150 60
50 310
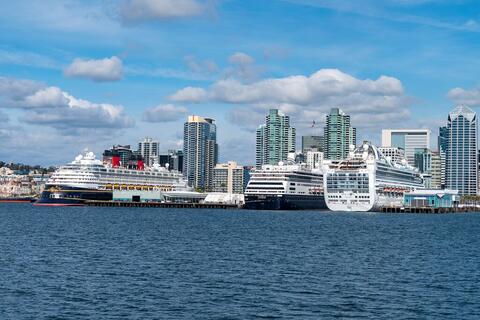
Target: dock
130 204
430 210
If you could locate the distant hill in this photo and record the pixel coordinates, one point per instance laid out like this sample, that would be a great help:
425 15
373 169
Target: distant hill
26 168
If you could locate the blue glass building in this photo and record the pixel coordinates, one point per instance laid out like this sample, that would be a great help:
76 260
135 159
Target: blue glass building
461 151
200 151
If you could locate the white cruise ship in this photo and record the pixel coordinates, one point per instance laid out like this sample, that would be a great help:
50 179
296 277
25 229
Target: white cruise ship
285 187
87 178
367 180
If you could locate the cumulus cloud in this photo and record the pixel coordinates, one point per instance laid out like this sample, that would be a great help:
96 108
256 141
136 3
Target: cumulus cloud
107 69
300 90
51 97
20 93
58 109
81 113
190 94
16 88
132 11
462 96
307 98
164 113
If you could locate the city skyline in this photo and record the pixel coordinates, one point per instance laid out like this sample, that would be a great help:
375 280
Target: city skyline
96 73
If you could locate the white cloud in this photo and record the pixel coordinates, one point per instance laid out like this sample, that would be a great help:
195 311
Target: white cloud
51 97
81 114
27 94
50 106
462 96
164 113
144 10
300 90
11 88
240 58
307 98
107 69
190 94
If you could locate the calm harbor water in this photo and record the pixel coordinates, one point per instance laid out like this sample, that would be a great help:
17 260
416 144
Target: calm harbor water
126 263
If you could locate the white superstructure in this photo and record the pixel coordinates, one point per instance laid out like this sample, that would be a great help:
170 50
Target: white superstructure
293 179
86 172
367 180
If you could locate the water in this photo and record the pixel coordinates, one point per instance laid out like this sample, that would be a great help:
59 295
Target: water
120 263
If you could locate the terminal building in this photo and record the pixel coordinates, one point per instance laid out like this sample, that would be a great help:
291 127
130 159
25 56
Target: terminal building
423 198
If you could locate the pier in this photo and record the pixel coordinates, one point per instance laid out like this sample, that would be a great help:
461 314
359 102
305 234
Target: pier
130 204
430 210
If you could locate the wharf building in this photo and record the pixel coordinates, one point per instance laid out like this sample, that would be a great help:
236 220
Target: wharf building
461 151
228 178
200 151
312 143
408 140
275 139
172 159
338 135
148 149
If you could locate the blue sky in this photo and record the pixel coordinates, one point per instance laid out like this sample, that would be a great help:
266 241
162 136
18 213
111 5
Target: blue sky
89 74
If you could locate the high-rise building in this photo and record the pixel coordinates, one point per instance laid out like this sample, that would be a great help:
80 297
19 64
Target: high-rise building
314 159
423 160
148 149
442 149
228 178
312 143
394 153
174 159
275 139
436 171
461 153
338 135
200 151
442 139
407 139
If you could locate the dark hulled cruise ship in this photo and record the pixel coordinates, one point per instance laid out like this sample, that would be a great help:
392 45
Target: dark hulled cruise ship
285 187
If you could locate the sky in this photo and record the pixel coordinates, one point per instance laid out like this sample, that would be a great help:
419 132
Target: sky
89 74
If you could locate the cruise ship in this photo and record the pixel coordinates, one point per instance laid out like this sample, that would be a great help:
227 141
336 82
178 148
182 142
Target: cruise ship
87 178
367 180
285 187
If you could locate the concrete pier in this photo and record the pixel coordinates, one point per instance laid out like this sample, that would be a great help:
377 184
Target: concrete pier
129 204
428 210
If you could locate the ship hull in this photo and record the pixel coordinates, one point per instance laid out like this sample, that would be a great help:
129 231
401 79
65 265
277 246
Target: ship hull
17 200
285 202
70 196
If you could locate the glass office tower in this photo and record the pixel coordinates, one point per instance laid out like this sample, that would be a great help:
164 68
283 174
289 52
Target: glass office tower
461 151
